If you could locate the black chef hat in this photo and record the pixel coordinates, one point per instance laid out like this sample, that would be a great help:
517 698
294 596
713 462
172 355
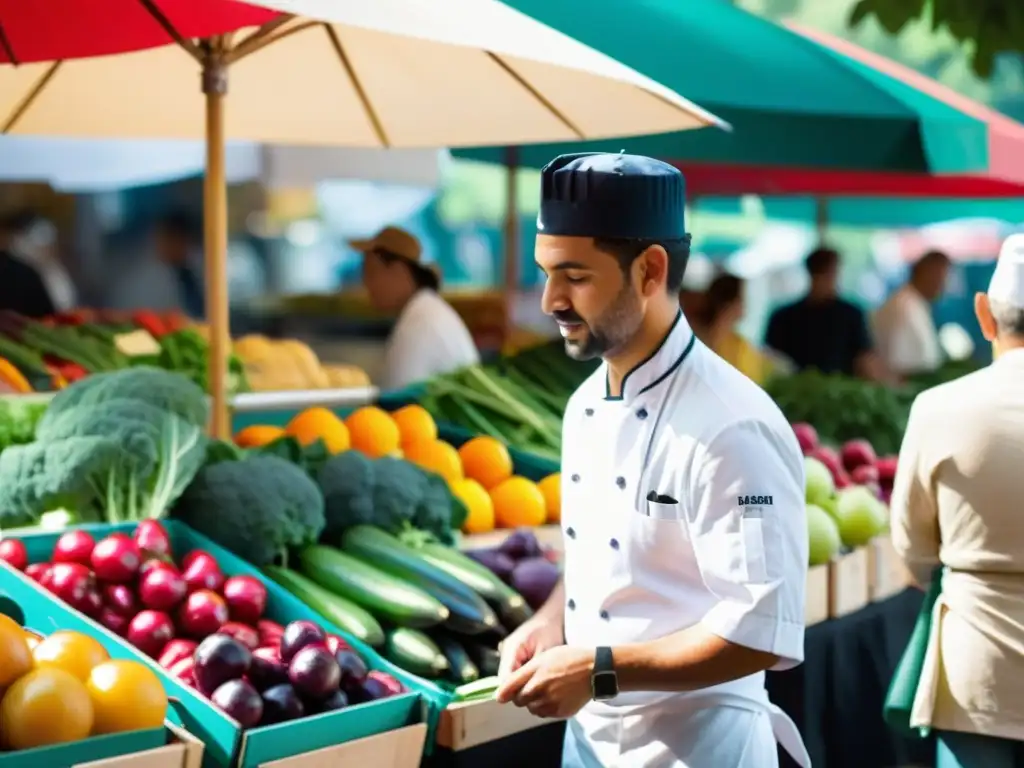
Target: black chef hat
596 194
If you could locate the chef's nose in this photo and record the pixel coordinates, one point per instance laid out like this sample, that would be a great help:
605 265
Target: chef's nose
553 299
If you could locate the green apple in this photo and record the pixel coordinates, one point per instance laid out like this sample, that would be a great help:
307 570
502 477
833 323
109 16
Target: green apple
860 516
818 484
822 535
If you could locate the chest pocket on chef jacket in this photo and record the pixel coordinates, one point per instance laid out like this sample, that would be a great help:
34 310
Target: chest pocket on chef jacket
664 510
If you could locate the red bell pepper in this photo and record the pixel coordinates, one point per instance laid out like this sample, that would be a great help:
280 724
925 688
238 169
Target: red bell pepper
150 322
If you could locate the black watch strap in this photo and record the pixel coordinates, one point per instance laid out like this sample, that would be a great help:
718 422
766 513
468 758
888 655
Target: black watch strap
603 660
604 683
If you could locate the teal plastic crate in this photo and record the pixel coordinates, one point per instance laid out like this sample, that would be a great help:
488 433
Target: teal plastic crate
226 744
20 600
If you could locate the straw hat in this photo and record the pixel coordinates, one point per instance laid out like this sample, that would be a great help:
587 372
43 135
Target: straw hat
398 243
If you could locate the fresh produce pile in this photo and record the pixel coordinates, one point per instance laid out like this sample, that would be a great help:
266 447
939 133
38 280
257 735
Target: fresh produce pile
286 364
522 563
479 473
18 419
208 630
519 400
65 688
846 493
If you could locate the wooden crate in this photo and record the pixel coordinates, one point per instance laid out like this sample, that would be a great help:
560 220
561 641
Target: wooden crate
185 752
849 583
471 723
401 748
816 602
888 575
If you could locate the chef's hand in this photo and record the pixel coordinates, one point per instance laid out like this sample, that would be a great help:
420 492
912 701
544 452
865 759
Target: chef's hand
535 636
554 683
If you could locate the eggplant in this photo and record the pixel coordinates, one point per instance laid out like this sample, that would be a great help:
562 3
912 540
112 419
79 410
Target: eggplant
496 561
535 579
520 544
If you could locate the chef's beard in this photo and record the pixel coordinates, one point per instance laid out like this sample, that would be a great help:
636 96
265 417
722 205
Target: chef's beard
612 331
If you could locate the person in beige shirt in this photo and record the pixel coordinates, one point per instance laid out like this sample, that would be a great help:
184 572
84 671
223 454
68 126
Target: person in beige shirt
956 503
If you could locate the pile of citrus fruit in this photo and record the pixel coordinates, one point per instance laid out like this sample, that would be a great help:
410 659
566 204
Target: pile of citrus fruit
65 688
480 472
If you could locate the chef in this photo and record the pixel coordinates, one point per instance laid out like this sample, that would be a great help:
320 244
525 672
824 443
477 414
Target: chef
682 507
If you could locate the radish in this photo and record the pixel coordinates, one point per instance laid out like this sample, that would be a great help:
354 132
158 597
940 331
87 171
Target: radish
185 671
115 622
203 573
161 589
191 556
13 552
120 599
246 635
116 559
70 582
246 598
92 603
270 632
203 613
336 644
74 547
150 632
38 572
175 651
156 562
152 540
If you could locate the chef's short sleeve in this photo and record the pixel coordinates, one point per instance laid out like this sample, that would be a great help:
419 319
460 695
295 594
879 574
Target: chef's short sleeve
749 534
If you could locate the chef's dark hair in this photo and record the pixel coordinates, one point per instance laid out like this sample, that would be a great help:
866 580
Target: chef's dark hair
929 260
626 250
820 261
422 277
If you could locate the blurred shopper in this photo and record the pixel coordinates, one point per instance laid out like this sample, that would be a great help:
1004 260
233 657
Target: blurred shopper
429 337
908 341
35 242
955 504
716 326
22 288
822 330
177 246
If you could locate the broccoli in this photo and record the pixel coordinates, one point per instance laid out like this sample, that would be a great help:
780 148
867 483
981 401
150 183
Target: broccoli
258 508
437 512
398 488
346 481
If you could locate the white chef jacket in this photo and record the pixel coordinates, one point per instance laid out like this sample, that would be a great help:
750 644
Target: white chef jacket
429 339
726 547
905 332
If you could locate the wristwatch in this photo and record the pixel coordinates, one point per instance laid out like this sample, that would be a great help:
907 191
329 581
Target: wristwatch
604 684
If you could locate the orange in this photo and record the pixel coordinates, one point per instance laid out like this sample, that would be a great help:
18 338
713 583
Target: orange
479 505
46 706
15 655
551 488
415 424
518 502
258 435
436 456
486 460
126 696
373 431
314 424
72 652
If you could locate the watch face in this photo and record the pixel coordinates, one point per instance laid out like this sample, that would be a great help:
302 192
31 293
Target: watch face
605 686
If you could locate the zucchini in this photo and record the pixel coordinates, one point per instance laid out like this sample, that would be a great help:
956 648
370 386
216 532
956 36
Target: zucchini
512 608
414 652
483 688
487 659
378 592
468 613
461 668
341 612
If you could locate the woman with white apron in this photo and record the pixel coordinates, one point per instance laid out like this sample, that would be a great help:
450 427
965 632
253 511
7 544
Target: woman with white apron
682 506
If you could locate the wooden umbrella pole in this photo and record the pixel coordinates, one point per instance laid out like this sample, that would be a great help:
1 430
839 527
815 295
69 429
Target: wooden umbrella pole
510 284
215 231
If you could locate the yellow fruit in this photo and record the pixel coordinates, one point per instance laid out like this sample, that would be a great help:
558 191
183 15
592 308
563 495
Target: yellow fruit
518 502
46 706
258 435
415 425
486 460
551 488
71 652
373 431
15 655
314 424
478 504
126 696
436 456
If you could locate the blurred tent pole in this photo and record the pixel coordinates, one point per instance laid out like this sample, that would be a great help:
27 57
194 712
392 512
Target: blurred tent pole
512 240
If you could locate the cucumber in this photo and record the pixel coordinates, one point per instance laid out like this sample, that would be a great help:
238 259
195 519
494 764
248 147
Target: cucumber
337 610
414 652
461 668
378 592
512 608
483 688
487 659
468 613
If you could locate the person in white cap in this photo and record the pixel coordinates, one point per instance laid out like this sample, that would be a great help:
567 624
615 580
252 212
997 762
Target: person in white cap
429 337
956 503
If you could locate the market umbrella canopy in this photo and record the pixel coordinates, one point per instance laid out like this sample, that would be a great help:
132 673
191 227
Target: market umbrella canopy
398 73
791 101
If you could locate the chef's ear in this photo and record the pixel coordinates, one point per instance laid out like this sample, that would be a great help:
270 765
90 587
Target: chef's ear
983 311
654 270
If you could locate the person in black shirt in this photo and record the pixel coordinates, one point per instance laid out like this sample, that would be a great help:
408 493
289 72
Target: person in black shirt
822 330
176 244
22 289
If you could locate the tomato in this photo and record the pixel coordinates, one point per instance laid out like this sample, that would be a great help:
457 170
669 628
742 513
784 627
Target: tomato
46 706
15 656
72 652
126 696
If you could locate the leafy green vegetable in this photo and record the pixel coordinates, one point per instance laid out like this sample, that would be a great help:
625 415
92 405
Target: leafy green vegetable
188 353
258 508
18 419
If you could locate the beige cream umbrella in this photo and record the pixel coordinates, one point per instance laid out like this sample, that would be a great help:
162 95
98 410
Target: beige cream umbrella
387 73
